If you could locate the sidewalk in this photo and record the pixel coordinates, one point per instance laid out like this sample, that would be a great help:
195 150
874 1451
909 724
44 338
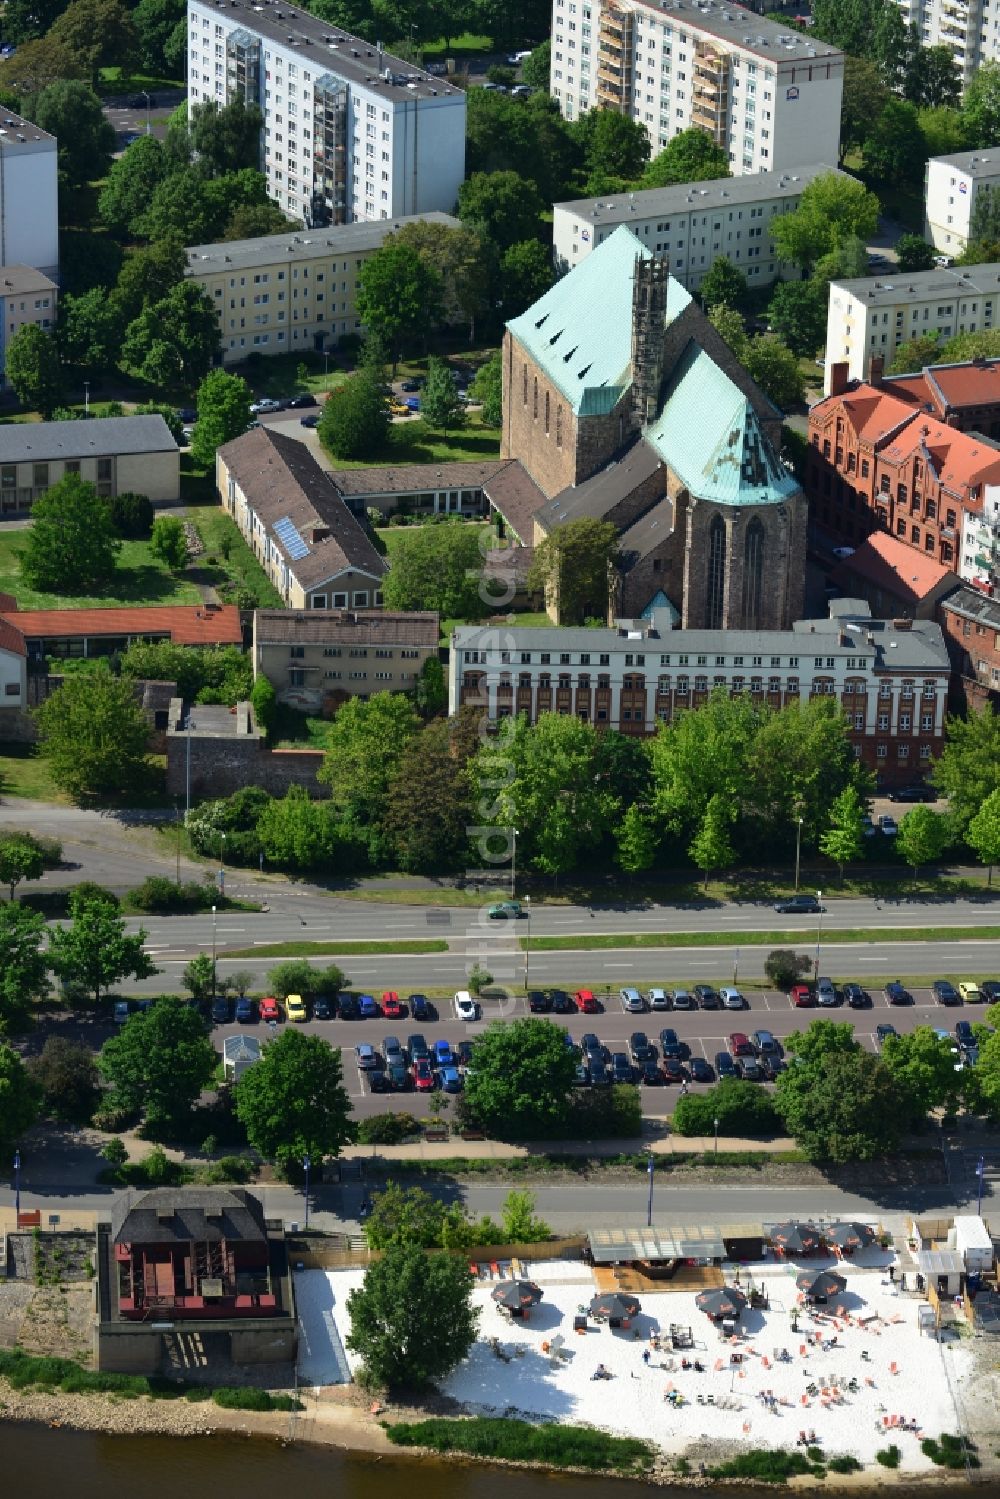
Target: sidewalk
422 1150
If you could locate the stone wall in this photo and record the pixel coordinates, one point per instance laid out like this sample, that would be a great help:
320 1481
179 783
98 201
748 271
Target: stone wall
661 568
19 726
222 764
784 554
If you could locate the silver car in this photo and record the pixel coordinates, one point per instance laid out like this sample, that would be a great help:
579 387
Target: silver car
658 999
632 1001
826 994
732 999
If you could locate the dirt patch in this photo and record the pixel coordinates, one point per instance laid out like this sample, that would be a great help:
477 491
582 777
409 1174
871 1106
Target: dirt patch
59 1321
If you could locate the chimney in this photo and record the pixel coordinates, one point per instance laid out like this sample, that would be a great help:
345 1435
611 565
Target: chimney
649 315
839 377
876 370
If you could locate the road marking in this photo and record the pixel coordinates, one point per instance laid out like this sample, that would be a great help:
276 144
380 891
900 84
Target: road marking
222 929
871 960
619 965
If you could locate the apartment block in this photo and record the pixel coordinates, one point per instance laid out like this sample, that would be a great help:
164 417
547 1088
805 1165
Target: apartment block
873 315
769 96
316 658
286 293
350 132
692 223
29 195
951 187
26 296
965 27
890 676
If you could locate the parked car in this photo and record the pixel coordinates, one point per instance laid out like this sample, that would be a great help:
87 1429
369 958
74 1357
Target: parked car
298 403
649 1073
347 1004
750 1070
323 1008
309 421
270 1010
673 1070
420 1007
392 1006
465 1007
990 990
802 996
621 1067
912 794
724 1065
970 992
883 1033
368 1007
855 996
731 998
562 1003
399 1079
423 1076
591 1044
799 905
441 1055
463 1052
187 414
639 1048
515 59
221 1012
658 999
295 1008
683 1000
539 1002
600 1075
416 1047
826 994
451 1080
409 386
709 998
368 1057
772 1067
632 1001
895 994
888 825
506 910
765 1045
964 1034
945 993
739 1045
392 1050
670 1044
701 1071
263 407
246 1010
122 1011
586 1002
413 403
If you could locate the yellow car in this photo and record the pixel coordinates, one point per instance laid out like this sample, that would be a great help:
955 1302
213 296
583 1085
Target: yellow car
295 1008
397 409
970 992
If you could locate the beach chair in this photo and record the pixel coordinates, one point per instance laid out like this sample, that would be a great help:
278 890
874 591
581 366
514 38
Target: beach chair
893 1368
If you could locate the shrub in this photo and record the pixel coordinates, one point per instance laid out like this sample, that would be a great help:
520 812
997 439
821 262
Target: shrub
785 968
386 1129
115 1151
557 1446
230 1168
844 1464
888 1456
249 1399
764 1466
741 1108
159 894
131 515
605 1113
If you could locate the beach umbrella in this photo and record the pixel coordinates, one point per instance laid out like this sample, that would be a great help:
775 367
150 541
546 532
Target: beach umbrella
795 1238
723 1301
849 1236
614 1305
820 1285
517 1294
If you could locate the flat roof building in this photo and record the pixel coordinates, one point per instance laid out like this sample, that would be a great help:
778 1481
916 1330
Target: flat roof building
117 454
29 195
951 186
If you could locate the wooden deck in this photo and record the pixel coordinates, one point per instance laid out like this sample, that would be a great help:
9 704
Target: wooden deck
686 1278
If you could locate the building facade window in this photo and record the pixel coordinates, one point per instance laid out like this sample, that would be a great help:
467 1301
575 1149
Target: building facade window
753 575
716 573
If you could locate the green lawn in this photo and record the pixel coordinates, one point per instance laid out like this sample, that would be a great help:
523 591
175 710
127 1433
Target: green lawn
228 560
139 579
24 774
278 374
294 730
458 46
119 81
413 441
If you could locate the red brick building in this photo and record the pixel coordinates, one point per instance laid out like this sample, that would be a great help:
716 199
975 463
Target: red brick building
970 623
964 396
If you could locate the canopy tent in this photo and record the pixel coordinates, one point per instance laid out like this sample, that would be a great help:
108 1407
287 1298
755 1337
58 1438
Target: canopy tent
614 1306
820 1285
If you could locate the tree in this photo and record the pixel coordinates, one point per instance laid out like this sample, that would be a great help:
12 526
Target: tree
784 968
459 259
523 1080
298 976
981 107
365 746
183 204
431 691
982 833
439 402
71 545
36 66
691 156
399 295
19 1100
89 334
155 22
158 1063
72 112
503 207
840 1102
520 1226
894 151
916 354
914 253
293 1102
199 976
923 837
296 832
95 951
729 324
574 566
932 77
412 1320
264 701
354 422
147 276
536 68
98 32
131 515
864 98
131 184
24 20
984 223
487 388
922 1064
67 1075
635 841
614 145
428 806
711 847
94 735
436 567
23 967
168 542
223 403
942 130
968 346
174 341
226 138
831 208
21 858
531 140
255 220
797 313
525 273
404 1217
844 839
733 1107
724 285
776 370
33 369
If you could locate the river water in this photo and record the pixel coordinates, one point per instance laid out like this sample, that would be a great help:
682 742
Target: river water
38 1463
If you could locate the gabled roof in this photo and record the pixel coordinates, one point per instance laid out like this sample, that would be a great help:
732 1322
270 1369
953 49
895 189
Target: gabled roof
11 639
515 495
893 566
182 1215
374 627
580 331
708 433
595 497
100 437
183 624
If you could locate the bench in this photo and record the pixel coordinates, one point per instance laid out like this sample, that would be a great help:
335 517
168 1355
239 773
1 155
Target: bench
437 1134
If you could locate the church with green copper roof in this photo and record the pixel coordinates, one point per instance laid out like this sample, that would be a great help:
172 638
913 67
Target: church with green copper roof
623 403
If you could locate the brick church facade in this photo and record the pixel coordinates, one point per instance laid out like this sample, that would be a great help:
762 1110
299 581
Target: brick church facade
623 403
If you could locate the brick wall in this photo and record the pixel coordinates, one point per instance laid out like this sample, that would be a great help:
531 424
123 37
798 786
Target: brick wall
221 766
784 561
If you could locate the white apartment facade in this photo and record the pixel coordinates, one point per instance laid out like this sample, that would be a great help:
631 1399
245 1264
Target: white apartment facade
693 223
290 292
29 195
770 97
26 296
875 314
350 133
965 27
951 187
979 559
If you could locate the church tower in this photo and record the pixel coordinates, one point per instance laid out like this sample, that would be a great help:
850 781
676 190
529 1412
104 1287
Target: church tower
649 319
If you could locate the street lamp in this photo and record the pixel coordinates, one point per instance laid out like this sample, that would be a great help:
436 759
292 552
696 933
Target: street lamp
222 863
177 818
819 932
213 952
307 1162
527 939
147 99
980 1171
798 854
715 1122
86 397
17 1184
513 862
736 968
187 777
649 1204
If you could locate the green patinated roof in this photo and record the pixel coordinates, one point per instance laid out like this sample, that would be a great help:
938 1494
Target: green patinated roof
580 331
708 433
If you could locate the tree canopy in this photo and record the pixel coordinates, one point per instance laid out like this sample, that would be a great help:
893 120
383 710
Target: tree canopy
690 156
94 735
32 366
293 1102
412 1320
437 567
223 404
354 422
159 1062
94 951
72 545
23 964
968 768
522 1081
20 1097
830 209
574 566
839 1101
399 294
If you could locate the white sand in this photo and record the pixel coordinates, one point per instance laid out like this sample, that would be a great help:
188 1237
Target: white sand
632 1402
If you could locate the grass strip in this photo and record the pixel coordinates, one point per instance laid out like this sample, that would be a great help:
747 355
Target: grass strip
610 940
24 1371
556 1446
335 945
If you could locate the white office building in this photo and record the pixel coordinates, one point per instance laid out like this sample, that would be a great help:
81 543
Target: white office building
29 196
350 133
875 314
951 186
770 97
694 223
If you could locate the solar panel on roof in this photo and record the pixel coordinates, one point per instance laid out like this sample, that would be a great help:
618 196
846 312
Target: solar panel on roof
287 533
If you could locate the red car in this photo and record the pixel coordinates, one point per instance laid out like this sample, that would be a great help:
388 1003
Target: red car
423 1076
270 1009
739 1045
802 995
585 1002
392 1008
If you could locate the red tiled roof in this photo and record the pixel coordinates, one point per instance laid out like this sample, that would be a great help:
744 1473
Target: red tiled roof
961 459
872 413
11 639
894 566
186 624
